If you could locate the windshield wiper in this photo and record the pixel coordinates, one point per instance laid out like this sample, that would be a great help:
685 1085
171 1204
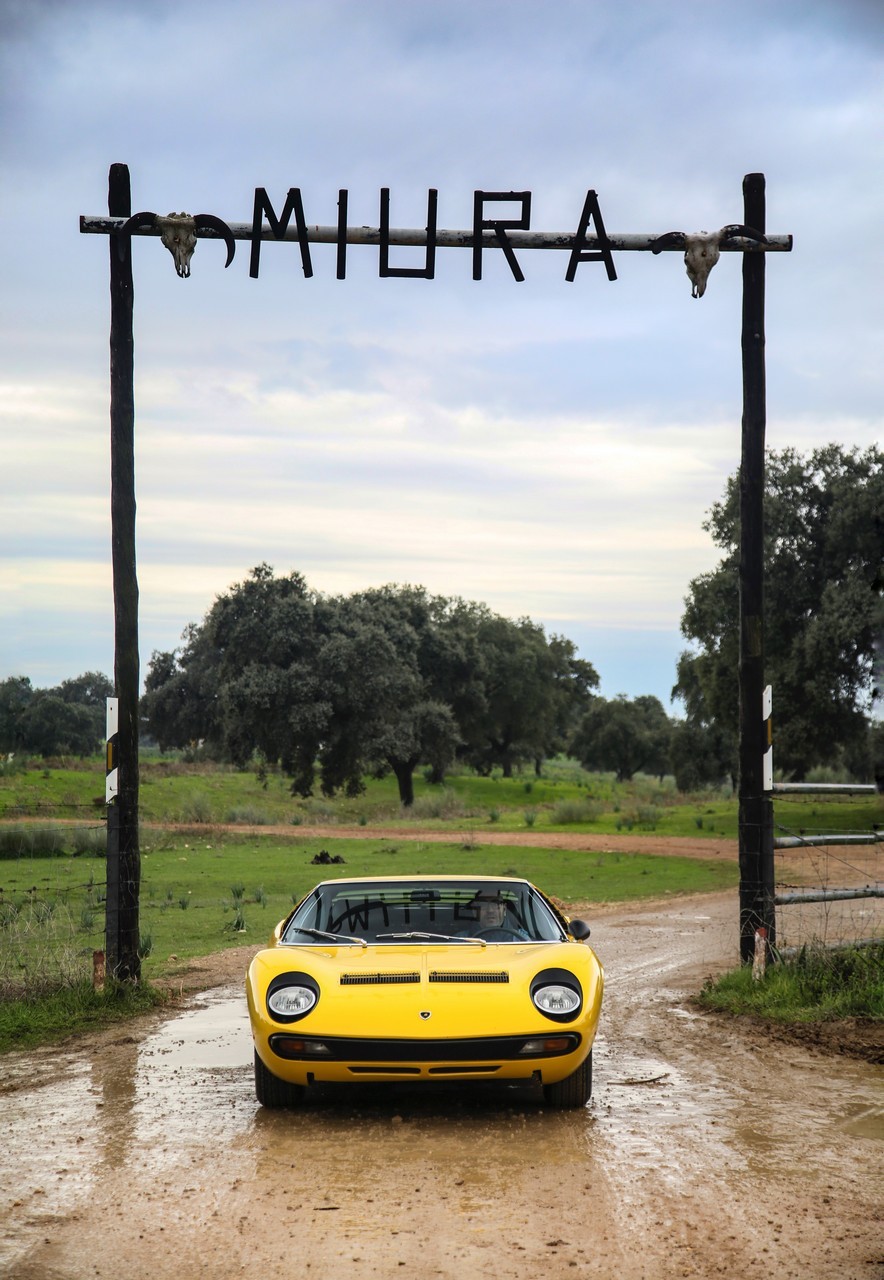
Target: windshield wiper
436 937
333 937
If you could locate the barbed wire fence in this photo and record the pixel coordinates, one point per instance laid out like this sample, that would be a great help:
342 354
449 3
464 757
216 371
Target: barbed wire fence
50 928
829 890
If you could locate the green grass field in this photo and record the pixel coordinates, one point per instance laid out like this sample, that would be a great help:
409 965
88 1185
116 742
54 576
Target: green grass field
566 798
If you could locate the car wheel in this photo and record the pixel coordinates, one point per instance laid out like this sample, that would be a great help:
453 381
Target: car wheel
273 1092
574 1091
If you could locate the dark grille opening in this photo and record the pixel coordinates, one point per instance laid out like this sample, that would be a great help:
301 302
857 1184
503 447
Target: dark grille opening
364 1050
387 1071
472 1069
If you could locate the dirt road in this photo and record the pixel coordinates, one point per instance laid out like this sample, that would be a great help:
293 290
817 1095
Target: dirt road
704 1152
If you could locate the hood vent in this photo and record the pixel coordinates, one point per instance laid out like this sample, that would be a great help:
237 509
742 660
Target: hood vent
378 979
469 975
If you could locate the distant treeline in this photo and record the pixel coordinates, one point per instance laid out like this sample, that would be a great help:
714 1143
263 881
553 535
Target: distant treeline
334 688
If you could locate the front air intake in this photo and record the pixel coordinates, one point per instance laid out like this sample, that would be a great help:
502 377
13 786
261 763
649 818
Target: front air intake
453 975
378 979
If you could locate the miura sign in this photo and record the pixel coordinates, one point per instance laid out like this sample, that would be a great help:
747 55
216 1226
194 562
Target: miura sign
501 220
497 216
499 229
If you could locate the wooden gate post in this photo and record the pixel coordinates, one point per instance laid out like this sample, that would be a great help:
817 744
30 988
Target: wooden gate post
124 862
757 909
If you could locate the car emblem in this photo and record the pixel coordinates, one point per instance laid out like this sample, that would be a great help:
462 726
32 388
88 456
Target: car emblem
425 1013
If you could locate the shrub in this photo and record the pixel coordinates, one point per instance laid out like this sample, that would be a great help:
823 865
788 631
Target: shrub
50 842
249 815
197 808
570 812
440 803
89 840
648 815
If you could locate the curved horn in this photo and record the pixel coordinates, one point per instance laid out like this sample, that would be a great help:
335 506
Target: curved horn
738 229
217 224
132 224
671 240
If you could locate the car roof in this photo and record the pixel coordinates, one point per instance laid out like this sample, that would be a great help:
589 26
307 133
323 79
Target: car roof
425 879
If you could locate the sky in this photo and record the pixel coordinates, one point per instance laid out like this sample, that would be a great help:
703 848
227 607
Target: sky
549 448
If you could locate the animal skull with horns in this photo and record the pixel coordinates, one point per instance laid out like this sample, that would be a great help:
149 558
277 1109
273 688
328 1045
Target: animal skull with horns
178 233
702 250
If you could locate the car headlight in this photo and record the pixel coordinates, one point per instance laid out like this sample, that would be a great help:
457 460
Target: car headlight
290 996
557 994
291 1000
557 1000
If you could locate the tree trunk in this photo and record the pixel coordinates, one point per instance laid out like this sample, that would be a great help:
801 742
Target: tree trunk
404 771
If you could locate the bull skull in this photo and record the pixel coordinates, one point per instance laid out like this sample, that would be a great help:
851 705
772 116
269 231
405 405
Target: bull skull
702 250
178 233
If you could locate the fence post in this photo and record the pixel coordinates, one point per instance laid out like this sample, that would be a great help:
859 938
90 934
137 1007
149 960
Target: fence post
755 807
124 880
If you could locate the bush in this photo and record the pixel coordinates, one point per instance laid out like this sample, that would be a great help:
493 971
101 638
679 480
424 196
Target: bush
648 816
249 816
197 808
51 842
441 803
570 812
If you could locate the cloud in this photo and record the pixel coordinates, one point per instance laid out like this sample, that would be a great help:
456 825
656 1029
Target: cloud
550 448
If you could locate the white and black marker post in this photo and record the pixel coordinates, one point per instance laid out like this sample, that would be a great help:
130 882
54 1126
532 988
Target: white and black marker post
112 874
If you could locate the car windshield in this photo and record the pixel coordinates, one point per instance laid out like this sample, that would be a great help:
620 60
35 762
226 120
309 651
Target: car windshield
423 911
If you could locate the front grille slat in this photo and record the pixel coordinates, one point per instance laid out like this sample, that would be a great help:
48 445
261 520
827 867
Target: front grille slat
378 979
453 975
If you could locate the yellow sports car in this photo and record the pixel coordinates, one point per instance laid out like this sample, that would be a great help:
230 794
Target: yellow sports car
425 978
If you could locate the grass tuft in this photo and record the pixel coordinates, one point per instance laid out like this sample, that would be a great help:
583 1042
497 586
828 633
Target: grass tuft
47 1014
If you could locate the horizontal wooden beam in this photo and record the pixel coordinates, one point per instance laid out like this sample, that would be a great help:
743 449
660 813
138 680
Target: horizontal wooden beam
825 788
827 895
801 842
411 236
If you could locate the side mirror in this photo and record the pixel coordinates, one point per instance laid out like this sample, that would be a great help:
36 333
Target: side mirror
579 930
277 933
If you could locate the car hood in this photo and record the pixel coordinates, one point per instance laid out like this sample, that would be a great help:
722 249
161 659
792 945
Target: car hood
426 990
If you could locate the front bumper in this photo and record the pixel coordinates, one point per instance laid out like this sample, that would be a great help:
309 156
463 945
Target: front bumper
303 1059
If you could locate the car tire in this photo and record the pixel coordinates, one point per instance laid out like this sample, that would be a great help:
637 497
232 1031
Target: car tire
574 1091
273 1092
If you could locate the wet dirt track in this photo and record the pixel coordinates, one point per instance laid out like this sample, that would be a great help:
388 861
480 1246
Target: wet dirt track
703 1152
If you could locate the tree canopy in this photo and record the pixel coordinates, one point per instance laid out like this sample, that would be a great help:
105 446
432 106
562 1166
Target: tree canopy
379 681
69 719
625 736
824 552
